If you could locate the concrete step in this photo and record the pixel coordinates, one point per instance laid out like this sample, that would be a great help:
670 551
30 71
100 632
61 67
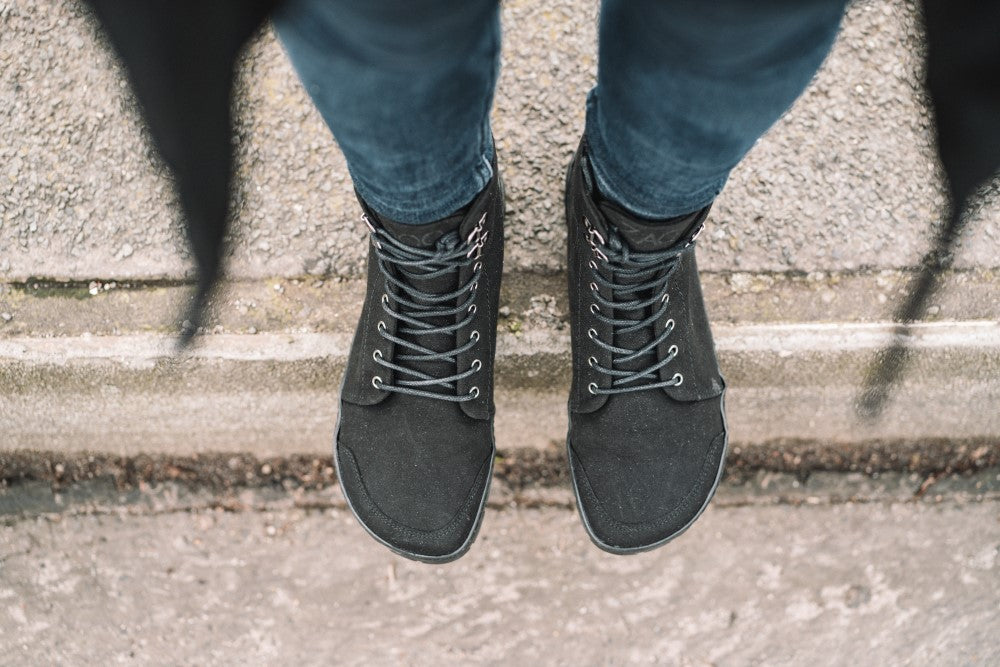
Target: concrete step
273 391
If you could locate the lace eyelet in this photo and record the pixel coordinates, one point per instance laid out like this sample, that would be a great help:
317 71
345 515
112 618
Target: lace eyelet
592 264
476 267
474 392
591 361
476 364
474 286
381 326
472 309
377 355
669 324
672 350
592 388
678 379
665 298
593 287
385 299
592 333
474 335
594 309
377 382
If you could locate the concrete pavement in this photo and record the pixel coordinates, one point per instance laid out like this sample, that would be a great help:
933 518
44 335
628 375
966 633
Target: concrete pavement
887 581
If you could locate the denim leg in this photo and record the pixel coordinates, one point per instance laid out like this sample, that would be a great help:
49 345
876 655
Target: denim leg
406 88
685 88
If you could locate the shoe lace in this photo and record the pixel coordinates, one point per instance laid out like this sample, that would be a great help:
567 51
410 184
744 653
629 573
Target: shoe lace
637 283
419 313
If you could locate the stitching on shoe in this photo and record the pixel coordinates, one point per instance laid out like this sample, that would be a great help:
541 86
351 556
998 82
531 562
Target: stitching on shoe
633 528
415 533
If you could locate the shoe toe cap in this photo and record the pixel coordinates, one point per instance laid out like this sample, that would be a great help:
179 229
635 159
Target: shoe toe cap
632 500
420 513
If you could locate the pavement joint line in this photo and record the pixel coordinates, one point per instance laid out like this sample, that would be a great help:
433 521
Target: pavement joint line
782 338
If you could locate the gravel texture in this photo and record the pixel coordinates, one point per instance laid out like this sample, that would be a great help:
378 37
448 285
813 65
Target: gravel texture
845 181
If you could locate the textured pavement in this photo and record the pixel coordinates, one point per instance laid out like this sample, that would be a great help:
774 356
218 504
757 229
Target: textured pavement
845 181
898 583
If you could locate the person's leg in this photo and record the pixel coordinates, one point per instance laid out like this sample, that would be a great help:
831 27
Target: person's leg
685 88
406 88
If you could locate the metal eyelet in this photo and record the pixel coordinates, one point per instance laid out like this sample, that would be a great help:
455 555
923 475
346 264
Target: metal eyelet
593 287
372 230
381 325
476 267
669 324
474 335
472 309
592 388
474 286
591 361
594 309
377 355
377 382
476 364
673 349
665 298
474 392
592 264
385 299
678 379
592 333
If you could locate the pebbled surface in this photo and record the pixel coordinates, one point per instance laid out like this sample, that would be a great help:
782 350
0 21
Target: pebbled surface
845 181
877 583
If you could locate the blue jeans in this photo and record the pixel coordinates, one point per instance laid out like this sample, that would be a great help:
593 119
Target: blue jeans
684 89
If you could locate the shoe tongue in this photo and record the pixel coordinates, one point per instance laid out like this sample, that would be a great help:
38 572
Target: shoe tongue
641 235
442 235
644 235
425 235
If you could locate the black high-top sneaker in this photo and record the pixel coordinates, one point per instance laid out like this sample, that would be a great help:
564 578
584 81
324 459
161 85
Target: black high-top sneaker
647 432
414 446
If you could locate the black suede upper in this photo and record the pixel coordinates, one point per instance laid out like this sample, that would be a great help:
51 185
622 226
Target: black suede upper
646 462
416 469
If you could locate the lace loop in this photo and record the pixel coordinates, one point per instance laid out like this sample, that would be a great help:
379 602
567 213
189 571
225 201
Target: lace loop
636 283
420 313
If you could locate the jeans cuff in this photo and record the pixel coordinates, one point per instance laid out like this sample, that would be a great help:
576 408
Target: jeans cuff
655 201
429 204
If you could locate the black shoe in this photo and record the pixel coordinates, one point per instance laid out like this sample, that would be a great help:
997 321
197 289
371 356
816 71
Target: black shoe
414 445
647 434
